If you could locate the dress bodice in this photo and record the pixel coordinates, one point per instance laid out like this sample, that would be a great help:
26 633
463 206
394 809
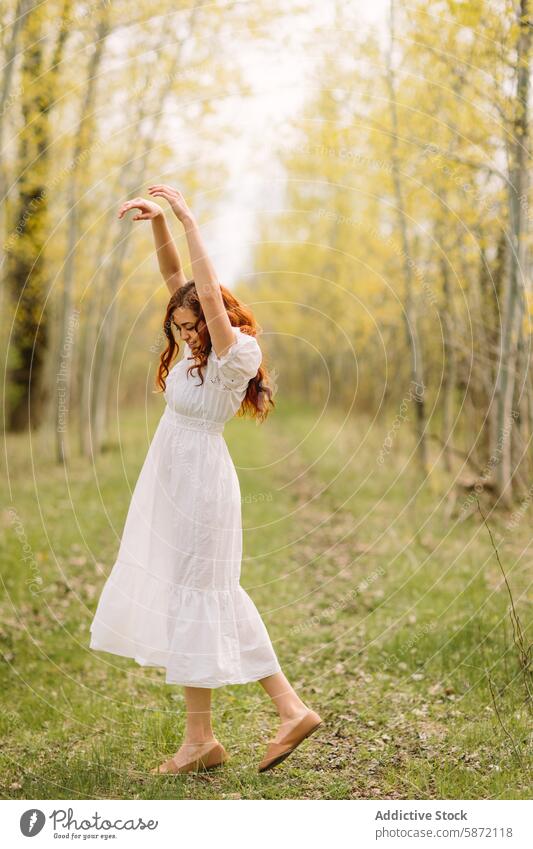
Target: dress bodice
225 383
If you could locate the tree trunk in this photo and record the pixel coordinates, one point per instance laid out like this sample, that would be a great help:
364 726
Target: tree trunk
491 292
520 457
513 307
26 271
410 313
12 40
449 325
83 140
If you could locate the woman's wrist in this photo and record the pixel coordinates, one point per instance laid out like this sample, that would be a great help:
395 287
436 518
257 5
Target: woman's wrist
187 220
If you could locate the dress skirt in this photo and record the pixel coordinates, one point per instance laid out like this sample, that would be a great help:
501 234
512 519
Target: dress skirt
173 597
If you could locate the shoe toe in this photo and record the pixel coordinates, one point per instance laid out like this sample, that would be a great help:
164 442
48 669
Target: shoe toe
277 752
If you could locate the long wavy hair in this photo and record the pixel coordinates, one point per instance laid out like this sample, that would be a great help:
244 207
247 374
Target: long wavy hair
258 401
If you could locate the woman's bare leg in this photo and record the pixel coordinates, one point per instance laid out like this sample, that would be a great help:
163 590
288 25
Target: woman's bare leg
198 727
288 703
198 731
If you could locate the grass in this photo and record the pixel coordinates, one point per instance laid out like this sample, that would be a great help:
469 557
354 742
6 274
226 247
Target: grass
385 613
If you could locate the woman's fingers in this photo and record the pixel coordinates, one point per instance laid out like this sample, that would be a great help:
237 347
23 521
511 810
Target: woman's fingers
165 191
137 203
130 204
172 196
165 195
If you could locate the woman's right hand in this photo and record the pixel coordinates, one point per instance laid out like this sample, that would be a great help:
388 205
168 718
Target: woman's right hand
148 209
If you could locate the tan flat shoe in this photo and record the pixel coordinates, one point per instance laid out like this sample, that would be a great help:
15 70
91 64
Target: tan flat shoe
277 752
211 755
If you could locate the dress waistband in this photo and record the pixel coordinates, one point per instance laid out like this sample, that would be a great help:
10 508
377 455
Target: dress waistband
192 423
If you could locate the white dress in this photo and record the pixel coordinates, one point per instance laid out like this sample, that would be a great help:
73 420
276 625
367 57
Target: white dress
173 597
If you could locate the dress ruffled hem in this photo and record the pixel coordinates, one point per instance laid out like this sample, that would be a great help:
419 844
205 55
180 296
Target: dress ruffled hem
171 679
156 624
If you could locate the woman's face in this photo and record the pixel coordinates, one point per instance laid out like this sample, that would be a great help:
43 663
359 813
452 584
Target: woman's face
185 323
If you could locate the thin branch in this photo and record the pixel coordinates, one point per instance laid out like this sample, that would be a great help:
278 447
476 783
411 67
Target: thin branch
524 651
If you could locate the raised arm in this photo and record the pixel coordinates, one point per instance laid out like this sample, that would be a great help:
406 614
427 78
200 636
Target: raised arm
167 254
207 284
168 257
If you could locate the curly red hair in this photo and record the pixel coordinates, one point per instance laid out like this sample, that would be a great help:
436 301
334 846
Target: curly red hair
258 399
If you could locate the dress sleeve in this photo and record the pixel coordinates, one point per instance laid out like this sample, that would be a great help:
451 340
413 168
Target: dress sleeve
240 363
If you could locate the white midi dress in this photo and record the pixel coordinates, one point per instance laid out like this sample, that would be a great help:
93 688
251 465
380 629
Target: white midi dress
173 597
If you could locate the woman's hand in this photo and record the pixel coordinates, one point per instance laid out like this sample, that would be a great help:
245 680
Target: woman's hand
148 208
175 198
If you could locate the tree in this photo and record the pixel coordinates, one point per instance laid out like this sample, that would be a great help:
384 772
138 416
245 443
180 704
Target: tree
82 144
514 295
26 270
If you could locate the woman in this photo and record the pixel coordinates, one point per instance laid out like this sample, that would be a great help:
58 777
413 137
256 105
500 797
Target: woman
173 597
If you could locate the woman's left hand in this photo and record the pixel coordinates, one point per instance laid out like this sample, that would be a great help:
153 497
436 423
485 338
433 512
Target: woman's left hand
174 197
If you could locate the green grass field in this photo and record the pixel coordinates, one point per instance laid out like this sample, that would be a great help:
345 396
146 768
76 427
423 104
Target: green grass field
385 614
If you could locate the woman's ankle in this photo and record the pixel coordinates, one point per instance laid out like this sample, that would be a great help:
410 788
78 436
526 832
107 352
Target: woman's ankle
289 712
198 738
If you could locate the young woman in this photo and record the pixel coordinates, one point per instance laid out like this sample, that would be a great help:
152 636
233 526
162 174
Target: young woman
173 598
